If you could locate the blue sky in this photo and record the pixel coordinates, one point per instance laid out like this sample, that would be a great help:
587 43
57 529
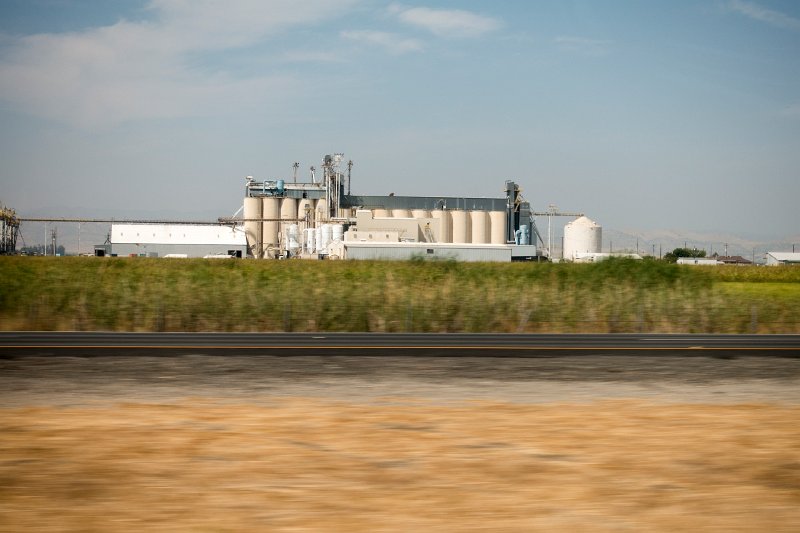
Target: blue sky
644 115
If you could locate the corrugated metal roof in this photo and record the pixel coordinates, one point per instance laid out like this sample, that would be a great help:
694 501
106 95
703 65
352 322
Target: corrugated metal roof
176 234
786 256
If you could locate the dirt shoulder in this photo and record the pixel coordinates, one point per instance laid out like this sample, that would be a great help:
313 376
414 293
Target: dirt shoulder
289 444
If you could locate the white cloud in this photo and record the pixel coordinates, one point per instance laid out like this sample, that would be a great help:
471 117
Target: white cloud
446 22
763 14
581 45
145 70
394 43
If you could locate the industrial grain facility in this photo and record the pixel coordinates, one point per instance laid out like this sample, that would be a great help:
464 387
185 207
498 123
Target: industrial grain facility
322 219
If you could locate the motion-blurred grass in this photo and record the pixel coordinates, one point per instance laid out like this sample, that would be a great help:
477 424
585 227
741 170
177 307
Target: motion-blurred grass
137 294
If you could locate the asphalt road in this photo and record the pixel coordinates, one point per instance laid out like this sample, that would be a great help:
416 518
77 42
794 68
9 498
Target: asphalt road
474 345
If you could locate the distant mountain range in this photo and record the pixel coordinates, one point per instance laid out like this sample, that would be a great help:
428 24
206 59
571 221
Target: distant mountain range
663 241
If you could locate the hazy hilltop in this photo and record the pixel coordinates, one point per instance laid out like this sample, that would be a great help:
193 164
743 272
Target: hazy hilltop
667 240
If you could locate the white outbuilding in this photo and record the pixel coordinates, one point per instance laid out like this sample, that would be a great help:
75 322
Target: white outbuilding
177 240
783 258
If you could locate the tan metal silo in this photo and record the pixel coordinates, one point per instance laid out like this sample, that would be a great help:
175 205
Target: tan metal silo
461 228
305 206
497 227
479 222
252 228
271 226
445 225
289 214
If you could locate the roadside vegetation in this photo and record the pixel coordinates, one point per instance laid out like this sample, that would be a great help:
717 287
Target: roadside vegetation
138 294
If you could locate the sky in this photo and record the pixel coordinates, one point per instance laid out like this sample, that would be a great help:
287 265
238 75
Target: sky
644 115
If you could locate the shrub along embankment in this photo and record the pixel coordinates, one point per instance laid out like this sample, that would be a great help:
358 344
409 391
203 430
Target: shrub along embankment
137 294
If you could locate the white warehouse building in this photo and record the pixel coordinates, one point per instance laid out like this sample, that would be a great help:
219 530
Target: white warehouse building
783 258
175 240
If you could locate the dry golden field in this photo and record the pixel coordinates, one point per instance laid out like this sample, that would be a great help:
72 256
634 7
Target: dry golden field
282 444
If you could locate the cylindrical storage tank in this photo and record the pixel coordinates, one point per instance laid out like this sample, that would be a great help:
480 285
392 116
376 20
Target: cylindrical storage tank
271 226
252 228
289 214
292 237
461 229
445 225
289 209
324 238
337 232
319 211
318 239
582 235
479 220
310 233
497 227
420 213
380 213
401 213
305 206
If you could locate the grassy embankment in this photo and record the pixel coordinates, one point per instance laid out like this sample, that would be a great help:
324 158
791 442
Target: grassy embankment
212 295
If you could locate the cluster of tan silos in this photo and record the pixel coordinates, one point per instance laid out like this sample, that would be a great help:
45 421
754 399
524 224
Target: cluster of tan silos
458 226
268 220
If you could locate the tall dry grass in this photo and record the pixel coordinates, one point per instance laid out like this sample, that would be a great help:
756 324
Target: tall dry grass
137 294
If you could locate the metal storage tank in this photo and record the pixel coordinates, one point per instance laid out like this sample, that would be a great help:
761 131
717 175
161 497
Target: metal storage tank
309 233
582 235
337 232
497 227
479 220
445 225
271 226
319 211
289 209
324 238
401 213
252 229
461 227
302 204
420 213
380 213
289 214
292 238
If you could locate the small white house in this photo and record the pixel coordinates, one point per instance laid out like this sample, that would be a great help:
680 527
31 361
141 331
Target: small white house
783 258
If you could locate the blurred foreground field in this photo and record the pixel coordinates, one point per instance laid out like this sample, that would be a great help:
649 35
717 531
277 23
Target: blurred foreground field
400 464
137 294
